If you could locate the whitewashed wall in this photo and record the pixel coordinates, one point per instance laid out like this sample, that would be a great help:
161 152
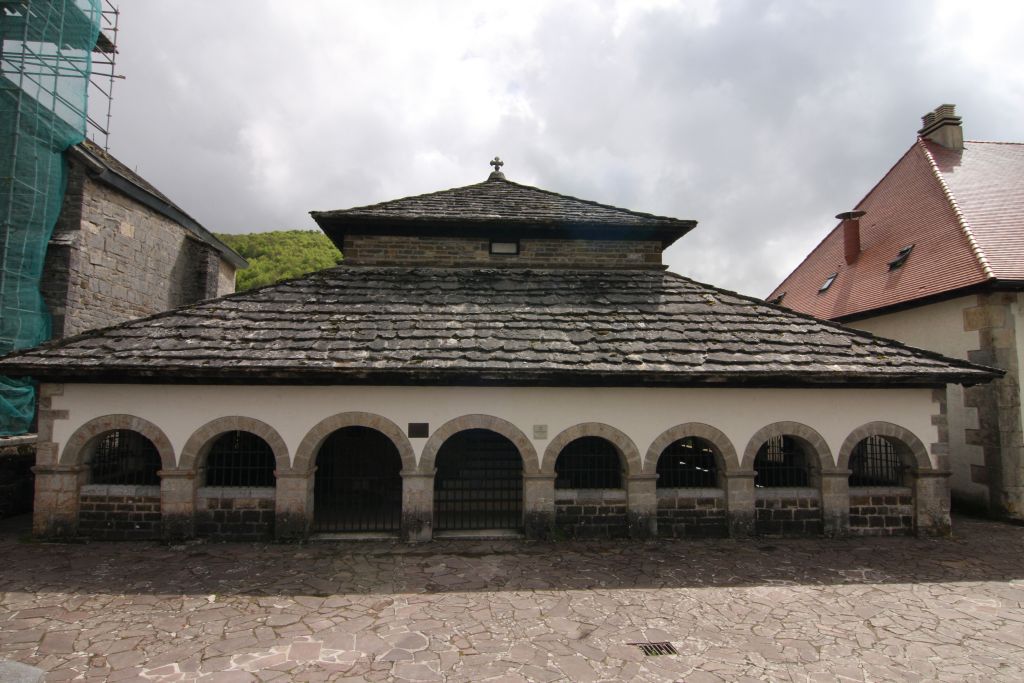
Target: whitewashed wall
643 414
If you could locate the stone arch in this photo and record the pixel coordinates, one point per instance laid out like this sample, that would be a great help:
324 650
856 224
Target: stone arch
912 446
75 449
193 455
811 438
728 462
627 449
305 455
495 424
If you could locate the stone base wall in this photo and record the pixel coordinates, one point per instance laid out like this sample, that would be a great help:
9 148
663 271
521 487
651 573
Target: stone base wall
788 512
119 512
591 513
17 457
237 514
881 511
692 513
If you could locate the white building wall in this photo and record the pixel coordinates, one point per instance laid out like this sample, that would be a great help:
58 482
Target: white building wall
643 414
940 327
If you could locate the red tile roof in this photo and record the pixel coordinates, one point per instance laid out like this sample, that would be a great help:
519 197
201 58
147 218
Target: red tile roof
962 210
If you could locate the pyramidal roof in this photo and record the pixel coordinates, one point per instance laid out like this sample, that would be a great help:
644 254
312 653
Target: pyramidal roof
388 325
501 202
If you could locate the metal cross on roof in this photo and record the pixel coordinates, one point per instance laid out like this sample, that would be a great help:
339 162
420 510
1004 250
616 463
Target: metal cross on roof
497 163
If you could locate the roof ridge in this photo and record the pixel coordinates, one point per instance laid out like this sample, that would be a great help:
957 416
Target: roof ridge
589 202
993 142
961 219
852 331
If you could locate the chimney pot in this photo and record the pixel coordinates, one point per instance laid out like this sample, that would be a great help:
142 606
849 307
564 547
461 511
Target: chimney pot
851 234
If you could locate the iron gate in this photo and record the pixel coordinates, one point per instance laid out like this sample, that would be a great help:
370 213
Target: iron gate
479 483
358 485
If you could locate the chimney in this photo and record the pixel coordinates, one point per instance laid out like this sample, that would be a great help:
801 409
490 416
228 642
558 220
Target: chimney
851 234
943 126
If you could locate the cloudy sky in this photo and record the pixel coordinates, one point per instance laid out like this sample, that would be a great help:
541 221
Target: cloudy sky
761 120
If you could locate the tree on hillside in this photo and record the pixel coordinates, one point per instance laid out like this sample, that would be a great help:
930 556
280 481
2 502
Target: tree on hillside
279 255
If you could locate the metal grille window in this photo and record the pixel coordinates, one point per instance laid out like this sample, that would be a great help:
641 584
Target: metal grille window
688 463
124 457
240 459
780 462
875 462
589 462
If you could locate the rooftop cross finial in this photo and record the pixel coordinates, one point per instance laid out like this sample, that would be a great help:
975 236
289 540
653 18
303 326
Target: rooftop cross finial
497 163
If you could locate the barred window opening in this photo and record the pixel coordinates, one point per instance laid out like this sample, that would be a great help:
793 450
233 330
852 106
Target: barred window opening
124 457
589 462
875 462
688 463
240 458
780 462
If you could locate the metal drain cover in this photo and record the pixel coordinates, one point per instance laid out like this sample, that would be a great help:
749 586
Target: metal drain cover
656 649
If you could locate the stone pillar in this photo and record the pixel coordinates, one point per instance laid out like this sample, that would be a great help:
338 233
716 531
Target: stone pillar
538 505
642 505
417 506
177 503
835 502
293 507
739 502
931 503
56 500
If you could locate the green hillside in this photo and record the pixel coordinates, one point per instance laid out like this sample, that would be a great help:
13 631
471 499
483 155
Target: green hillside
279 255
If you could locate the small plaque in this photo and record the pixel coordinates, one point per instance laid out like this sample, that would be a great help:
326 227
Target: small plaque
419 430
540 431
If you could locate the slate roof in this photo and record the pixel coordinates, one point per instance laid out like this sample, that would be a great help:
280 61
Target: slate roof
353 324
962 210
501 202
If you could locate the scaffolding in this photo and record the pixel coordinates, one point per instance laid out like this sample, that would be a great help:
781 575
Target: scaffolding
45 70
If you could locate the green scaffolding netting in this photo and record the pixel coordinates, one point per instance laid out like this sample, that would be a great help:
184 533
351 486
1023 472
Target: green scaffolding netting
44 84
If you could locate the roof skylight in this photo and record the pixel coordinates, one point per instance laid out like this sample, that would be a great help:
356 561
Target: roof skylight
828 282
778 299
901 257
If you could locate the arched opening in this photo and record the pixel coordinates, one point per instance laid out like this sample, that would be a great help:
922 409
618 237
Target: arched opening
690 462
123 457
358 483
589 462
238 458
881 495
479 483
237 498
787 500
781 461
122 496
590 501
691 500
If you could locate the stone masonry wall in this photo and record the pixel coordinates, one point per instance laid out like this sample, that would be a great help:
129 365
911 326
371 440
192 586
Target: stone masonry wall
112 259
239 514
692 513
384 250
591 513
998 402
119 512
17 456
881 511
788 512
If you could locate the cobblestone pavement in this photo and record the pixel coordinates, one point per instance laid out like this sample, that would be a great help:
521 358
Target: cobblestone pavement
881 609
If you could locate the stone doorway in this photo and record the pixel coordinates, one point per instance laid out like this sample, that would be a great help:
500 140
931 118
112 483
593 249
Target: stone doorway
358 484
479 483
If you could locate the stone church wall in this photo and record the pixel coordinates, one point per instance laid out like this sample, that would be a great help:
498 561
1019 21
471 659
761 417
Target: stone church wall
591 513
112 259
116 513
236 514
692 513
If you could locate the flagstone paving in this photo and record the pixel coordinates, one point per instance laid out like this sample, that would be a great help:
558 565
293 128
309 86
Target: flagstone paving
805 610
